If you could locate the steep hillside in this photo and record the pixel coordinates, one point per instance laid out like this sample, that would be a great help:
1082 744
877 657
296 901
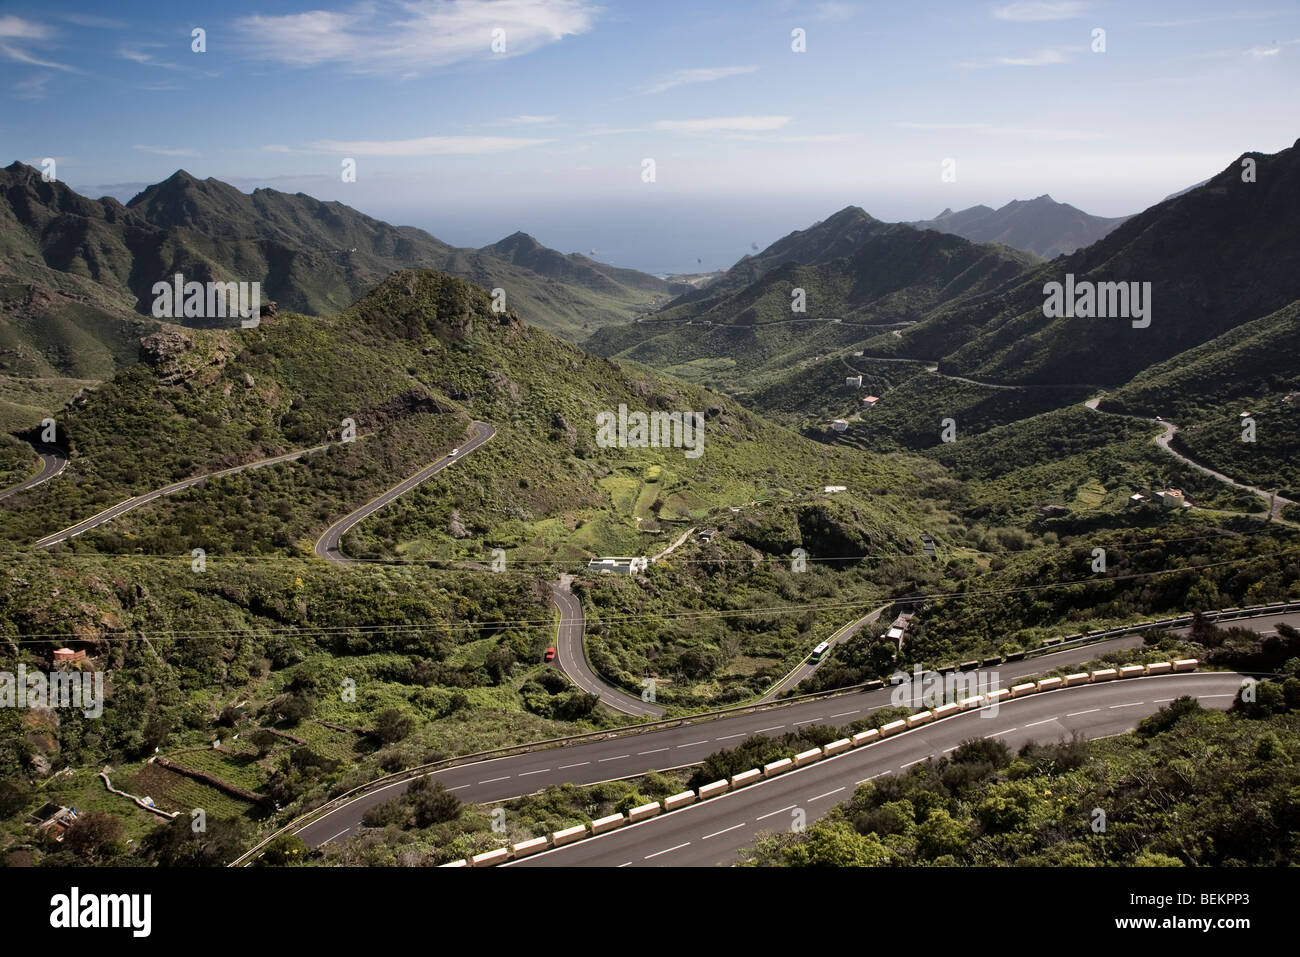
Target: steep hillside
1041 226
1217 256
890 275
1205 391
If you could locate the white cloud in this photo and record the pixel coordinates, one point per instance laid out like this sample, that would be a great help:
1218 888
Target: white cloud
412 37
1030 11
705 74
1047 57
725 124
32 89
166 151
19 29
136 55
21 56
426 146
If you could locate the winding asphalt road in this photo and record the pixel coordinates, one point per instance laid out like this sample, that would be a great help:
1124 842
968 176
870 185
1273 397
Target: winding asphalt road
53 461
602 759
123 507
1275 503
329 545
715 831
573 659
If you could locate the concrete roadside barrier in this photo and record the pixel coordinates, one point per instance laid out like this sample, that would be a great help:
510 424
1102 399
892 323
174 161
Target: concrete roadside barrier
1105 674
1078 678
1185 664
807 757
603 824
777 767
524 848
1022 689
920 718
968 666
1132 671
835 747
865 737
746 777
717 787
673 802
892 728
991 661
644 812
491 858
1048 684
971 703
569 835
946 709
1159 668
460 863
993 697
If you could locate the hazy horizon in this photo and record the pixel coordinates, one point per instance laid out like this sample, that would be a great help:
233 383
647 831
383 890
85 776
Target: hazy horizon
685 236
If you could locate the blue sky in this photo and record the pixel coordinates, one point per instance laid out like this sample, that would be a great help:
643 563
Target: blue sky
750 139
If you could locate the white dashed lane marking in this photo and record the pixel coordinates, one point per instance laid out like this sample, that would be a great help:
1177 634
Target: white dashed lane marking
667 850
826 795
723 831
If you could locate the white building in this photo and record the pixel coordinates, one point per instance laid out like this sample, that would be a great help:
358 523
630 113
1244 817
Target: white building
619 565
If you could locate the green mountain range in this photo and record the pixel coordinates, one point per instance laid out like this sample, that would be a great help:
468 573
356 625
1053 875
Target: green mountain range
857 276
79 273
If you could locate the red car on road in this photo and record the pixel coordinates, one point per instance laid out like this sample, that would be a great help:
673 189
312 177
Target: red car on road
550 653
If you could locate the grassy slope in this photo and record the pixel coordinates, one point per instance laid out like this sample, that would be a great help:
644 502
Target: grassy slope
1204 390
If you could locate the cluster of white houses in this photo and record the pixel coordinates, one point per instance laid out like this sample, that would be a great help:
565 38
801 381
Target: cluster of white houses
854 382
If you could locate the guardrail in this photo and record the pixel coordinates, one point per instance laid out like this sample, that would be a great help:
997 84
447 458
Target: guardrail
1049 645
570 835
